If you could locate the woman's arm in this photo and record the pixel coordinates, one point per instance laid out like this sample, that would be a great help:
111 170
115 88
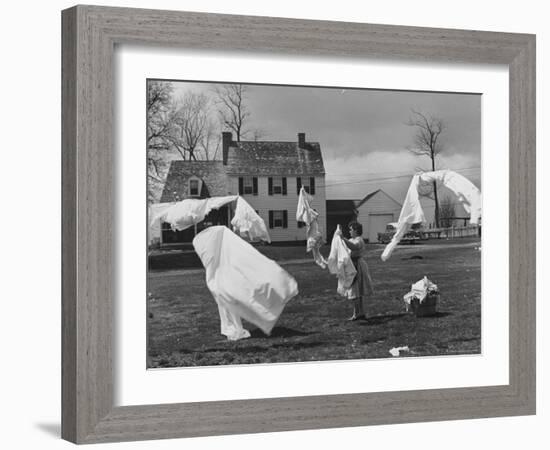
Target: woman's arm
351 245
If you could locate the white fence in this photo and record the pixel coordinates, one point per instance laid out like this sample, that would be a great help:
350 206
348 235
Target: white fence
452 232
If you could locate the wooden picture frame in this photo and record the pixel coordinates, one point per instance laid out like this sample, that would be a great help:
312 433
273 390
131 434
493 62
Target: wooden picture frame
89 37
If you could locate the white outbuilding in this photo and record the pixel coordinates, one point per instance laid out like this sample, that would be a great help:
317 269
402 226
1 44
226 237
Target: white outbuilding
375 211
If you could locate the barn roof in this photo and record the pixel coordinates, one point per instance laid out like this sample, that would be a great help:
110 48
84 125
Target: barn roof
274 158
372 194
341 207
212 173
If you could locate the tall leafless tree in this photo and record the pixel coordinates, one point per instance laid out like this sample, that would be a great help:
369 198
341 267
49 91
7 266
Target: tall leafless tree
428 142
193 126
160 122
176 127
232 108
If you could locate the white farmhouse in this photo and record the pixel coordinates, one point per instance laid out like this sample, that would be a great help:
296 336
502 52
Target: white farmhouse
268 174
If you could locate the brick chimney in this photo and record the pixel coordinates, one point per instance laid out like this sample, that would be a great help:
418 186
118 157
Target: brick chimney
227 138
302 140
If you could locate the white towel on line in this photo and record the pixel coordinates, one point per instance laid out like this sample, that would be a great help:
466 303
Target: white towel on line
305 213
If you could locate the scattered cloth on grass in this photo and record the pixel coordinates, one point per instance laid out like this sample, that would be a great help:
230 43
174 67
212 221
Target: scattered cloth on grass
305 213
396 351
244 283
340 264
469 196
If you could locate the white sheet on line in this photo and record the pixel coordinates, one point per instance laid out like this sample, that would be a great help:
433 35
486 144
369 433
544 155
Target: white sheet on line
187 213
248 223
340 264
244 283
411 212
305 213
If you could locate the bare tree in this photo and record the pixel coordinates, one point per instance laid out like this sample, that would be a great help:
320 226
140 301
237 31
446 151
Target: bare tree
232 108
427 142
193 126
175 128
159 129
447 212
210 144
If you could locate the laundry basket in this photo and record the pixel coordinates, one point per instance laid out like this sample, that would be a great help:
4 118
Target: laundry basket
427 308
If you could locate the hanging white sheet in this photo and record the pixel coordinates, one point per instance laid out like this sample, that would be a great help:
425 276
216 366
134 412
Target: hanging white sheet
411 212
245 284
305 213
155 226
340 264
186 213
248 223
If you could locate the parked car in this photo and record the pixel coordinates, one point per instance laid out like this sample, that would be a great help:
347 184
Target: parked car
413 235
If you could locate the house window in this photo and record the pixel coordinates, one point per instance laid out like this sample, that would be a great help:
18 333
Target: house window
308 183
194 188
248 185
278 219
276 185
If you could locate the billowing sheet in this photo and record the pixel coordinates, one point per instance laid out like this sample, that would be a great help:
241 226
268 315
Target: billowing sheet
248 223
156 210
186 213
245 284
411 212
467 193
305 213
340 264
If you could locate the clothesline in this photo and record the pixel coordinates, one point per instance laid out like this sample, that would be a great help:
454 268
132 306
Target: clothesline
371 180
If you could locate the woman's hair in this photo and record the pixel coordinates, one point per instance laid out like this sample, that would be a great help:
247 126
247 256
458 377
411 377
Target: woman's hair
357 227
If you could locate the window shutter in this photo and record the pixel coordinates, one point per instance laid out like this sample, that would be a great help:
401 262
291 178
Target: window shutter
298 185
270 219
285 219
241 185
284 185
312 185
270 186
255 185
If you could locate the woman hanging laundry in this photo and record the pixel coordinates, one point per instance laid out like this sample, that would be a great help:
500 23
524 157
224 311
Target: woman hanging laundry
362 283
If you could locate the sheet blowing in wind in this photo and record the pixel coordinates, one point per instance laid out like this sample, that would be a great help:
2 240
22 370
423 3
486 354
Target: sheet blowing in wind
468 195
244 283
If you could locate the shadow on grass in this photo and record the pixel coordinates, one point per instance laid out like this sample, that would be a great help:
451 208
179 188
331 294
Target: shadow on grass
382 319
278 332
437 315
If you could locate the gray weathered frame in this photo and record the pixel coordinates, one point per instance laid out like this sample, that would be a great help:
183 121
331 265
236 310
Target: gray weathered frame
89 36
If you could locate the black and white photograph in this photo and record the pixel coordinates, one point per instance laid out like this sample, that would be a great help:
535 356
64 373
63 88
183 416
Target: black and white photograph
292 224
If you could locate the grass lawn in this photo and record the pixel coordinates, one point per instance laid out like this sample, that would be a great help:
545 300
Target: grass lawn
184 327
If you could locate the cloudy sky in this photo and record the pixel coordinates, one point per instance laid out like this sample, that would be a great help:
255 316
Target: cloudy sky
364 133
